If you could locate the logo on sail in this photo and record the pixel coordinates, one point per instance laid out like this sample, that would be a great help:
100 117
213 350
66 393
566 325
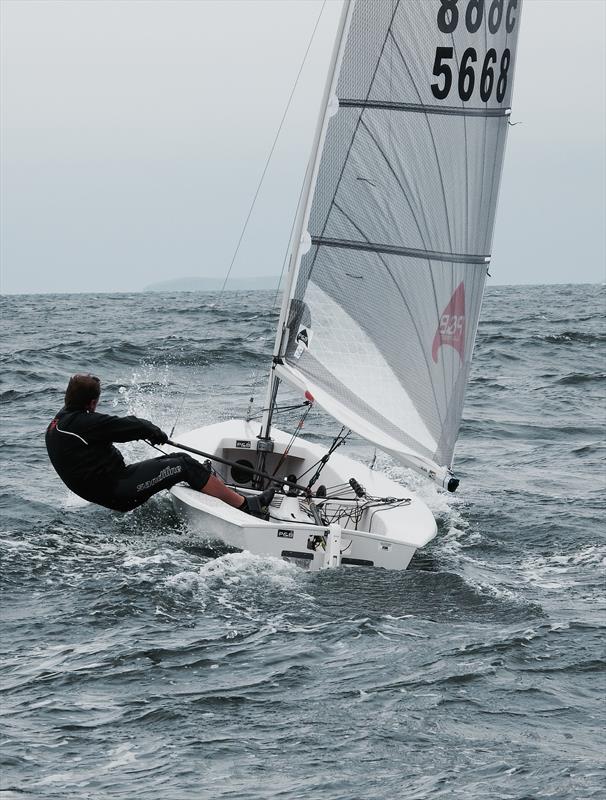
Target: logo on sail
303 340
451 328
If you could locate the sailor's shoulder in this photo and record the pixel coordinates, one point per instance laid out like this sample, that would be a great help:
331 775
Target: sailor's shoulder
68 415
59 417
77 420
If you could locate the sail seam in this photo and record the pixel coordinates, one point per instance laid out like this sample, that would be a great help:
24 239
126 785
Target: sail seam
395 250
420 108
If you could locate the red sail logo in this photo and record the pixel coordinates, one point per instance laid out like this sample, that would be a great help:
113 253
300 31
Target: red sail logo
451 329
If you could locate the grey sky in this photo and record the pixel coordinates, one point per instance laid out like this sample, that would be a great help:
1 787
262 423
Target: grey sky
134 134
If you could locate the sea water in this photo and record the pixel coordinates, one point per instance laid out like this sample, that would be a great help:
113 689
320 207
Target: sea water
141 662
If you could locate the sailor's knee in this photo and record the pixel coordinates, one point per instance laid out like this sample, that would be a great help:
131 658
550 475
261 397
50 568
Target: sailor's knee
197 474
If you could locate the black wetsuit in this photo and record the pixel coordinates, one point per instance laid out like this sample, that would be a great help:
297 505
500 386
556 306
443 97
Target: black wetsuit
79 445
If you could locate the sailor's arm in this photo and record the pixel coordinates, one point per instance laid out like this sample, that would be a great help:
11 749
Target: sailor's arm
107 428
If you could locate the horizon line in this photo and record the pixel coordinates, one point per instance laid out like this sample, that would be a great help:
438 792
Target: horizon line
215 291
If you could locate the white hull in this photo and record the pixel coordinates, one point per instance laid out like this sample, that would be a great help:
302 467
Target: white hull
385 536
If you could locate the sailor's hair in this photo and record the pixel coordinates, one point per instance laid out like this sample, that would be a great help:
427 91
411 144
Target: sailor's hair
81 389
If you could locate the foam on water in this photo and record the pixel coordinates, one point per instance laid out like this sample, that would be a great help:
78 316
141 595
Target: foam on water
72 501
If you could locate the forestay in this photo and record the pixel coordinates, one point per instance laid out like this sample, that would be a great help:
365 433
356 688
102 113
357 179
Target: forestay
384 310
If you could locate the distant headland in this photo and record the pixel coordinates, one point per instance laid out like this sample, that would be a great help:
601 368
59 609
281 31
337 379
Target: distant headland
214 284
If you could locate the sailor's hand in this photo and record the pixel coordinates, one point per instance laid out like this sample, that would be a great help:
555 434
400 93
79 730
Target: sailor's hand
157 436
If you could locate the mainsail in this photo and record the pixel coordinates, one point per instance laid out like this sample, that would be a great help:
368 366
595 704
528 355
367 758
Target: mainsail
381 317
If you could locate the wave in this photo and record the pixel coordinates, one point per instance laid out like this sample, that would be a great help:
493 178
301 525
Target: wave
576 378
589 449
505 429
11 395
524 341
235 354
568 337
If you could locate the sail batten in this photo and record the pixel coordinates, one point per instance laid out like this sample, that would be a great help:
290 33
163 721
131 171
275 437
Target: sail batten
373 247
382 316
420 108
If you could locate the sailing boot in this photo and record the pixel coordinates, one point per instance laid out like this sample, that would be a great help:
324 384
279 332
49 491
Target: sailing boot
258 506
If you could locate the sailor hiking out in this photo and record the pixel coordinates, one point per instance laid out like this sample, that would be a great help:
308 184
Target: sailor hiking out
80 445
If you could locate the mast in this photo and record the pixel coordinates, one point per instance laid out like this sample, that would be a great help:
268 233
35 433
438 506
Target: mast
299 243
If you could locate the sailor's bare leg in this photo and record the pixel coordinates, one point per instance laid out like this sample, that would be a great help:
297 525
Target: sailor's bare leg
216 488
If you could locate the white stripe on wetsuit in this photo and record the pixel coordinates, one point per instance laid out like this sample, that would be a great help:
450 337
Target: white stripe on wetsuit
69 433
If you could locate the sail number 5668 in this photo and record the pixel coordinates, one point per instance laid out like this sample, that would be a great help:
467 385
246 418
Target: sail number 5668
467 75
448 15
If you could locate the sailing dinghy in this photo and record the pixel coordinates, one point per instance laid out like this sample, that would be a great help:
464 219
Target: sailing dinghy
388 260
